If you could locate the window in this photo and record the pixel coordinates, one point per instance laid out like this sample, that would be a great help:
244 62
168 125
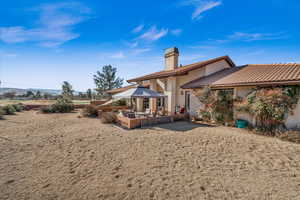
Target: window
161 102
146 103
187 100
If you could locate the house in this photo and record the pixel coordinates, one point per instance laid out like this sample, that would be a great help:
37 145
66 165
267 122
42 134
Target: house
179 83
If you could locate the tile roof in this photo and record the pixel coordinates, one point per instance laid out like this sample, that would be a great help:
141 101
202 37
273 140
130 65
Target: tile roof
182 70
210 79
262 74
122 89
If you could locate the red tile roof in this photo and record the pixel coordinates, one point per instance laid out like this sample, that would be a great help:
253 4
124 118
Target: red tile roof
262 74
182 70
251 75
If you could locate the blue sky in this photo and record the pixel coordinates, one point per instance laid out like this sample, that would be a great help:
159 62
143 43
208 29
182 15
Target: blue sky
43 43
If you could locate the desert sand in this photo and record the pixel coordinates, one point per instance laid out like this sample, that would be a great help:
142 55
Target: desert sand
61 156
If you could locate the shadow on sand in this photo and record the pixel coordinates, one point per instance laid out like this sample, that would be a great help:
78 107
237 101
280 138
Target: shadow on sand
177 126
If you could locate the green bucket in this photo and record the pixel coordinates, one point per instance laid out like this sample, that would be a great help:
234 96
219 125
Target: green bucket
241 123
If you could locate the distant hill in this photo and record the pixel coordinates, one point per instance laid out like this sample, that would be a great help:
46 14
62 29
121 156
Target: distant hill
20 91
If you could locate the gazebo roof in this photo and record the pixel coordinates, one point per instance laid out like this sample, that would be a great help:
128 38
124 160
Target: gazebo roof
138 92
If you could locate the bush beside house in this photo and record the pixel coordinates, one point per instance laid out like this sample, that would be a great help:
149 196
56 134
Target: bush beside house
90 111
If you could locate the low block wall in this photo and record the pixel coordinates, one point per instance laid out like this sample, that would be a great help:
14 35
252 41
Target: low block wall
109 108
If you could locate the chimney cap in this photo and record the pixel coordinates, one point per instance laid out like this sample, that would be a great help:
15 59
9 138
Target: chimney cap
172 50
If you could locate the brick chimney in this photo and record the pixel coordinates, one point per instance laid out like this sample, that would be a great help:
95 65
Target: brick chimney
171 58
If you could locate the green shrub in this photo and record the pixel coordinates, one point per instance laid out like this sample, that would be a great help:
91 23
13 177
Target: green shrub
90 111
9 109
121 102
205 115
1 113
108 117
47 109
19 107
62 105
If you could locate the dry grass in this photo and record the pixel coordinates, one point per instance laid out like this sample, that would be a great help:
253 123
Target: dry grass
60 156
108 117
291 136
40 102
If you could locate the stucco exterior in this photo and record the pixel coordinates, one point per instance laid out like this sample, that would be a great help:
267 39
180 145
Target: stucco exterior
292 120
171 86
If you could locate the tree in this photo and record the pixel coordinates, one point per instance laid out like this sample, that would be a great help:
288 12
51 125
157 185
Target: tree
29 94
67 90
89 94
107 79
9 95
47 96
38 95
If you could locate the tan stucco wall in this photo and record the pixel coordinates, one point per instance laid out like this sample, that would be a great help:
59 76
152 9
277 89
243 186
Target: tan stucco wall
293 121
176 95
215 67
180 98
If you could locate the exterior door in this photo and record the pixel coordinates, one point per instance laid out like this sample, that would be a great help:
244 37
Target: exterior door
187 100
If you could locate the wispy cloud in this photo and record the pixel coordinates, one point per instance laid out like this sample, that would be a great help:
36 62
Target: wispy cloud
54 25
133 44
176 32
201 6
139 51
138 29
153 34
244 36
247 37
118 55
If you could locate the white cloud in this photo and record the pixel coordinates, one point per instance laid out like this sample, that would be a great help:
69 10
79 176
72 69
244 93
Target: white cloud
201 6
54 26
176 32
118 55
132 44
154 34
247 37
256 36
138 28
140 51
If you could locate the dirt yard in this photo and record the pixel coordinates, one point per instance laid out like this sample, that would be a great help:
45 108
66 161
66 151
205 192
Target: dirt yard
60 156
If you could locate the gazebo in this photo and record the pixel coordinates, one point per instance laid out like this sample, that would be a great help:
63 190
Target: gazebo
138 92
133 119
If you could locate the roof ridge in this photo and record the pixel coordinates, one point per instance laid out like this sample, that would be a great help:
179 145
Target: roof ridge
182 70
208 60
272 64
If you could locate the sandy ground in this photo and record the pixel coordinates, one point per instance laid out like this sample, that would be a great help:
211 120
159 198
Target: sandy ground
60 156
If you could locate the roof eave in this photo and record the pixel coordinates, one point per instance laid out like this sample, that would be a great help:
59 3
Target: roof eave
254 84
183 72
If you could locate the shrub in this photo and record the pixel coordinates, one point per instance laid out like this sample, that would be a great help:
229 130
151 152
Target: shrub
90 111
62 105
205 115
9 110
218 105
108 118
1 113
270 106
120 102
19 107
47 109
